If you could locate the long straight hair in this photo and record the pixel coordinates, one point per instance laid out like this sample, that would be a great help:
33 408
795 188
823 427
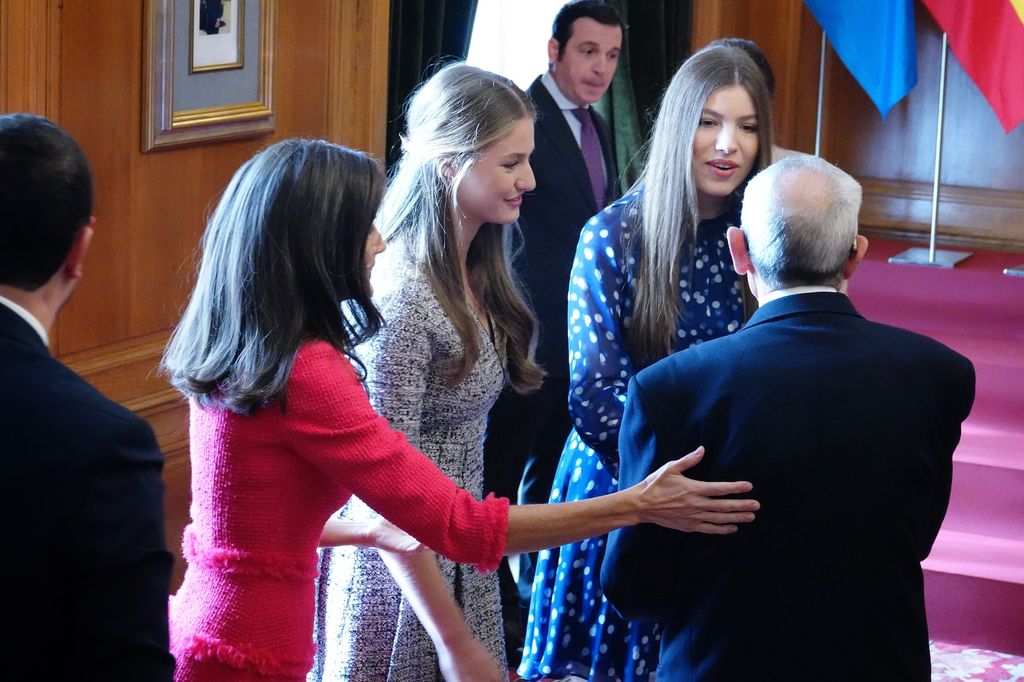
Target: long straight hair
666 226
451 118
282 251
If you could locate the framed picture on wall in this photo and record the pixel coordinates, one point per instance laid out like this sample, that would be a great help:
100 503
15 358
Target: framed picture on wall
216 43
208 71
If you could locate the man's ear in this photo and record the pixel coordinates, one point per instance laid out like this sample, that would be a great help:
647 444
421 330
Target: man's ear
738 250
79 247
856 256
552 51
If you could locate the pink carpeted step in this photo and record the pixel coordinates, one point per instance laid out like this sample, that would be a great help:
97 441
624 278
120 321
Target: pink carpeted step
974 577
974 591
987 500
979 556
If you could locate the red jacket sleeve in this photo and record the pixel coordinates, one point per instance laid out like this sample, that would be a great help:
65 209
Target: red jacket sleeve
332 425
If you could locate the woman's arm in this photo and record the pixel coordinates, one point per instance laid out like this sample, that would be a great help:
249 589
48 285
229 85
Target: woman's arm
333 425
600 366
666 498
377 533
460 655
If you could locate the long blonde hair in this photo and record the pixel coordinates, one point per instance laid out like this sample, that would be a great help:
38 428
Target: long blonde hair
451 118
668 215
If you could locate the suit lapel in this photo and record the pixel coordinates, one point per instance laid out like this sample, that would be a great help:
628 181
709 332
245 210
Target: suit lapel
552 125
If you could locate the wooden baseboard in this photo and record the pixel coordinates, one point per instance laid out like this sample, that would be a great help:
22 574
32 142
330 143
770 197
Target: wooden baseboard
968 217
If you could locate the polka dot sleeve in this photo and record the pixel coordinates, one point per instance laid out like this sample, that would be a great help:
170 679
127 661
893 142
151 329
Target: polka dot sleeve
598 309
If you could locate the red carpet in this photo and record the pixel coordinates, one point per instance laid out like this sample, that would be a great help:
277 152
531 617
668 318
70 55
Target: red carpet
974 577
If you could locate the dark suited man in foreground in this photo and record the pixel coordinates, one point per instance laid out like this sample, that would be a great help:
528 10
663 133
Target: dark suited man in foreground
846 428
577 174
85 574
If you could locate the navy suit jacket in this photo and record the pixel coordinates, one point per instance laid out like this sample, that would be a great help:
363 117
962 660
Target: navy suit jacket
846 428
551 218
85 574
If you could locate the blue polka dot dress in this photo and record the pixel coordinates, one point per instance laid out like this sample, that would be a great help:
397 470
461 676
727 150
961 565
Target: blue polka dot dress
571 628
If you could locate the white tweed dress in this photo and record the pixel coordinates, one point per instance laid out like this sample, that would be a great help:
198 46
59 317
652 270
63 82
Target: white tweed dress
365 630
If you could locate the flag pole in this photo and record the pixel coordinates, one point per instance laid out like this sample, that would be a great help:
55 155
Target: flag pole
821 96
932 256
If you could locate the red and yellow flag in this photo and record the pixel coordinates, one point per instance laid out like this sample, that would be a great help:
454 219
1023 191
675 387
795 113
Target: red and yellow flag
987 37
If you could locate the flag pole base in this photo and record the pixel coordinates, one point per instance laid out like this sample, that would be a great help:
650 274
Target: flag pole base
919 256
1015 271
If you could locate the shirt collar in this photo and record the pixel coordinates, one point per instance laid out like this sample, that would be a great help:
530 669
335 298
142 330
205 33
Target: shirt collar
28 317
563 102
791 291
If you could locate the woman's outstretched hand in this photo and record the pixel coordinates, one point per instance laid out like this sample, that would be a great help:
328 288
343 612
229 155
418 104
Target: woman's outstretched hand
670 499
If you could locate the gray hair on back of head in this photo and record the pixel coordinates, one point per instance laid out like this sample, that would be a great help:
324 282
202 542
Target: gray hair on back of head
800 220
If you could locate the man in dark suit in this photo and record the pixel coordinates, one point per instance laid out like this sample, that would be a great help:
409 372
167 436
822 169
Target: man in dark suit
845 427
85 574
525 434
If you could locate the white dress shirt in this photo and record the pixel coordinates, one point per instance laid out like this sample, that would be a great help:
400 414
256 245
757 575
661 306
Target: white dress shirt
28 317
791 291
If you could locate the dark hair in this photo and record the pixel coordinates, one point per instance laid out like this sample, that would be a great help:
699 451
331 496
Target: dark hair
45 198
756 55
282 262
561 29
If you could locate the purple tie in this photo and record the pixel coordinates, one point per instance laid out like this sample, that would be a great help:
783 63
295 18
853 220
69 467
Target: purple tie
591 148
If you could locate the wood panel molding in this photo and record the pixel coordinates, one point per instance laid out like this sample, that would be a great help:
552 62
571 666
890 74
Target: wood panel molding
30 39
967 216
357 74
127 372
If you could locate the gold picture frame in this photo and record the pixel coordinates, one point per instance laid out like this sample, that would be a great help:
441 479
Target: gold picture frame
215 41
183 106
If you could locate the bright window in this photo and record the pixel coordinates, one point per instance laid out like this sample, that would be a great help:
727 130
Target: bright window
510 37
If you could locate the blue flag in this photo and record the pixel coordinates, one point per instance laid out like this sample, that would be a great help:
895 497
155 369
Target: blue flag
875 40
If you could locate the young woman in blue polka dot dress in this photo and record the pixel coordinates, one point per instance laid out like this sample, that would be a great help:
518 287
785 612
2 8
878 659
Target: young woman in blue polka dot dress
651 277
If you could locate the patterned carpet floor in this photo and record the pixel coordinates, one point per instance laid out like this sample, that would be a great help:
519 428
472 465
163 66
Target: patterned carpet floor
956 663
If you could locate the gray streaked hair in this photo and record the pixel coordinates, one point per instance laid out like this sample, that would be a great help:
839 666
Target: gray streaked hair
800 221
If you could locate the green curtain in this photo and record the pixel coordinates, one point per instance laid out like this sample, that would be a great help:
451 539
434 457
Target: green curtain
424 34
657 41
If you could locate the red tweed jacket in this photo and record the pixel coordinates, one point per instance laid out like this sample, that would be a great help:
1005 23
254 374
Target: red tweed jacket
262 488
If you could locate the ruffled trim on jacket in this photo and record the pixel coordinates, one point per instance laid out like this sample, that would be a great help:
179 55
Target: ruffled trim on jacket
498 508
240 562
243 657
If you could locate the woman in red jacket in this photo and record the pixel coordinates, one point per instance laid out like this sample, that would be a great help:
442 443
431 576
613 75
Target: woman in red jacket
282 433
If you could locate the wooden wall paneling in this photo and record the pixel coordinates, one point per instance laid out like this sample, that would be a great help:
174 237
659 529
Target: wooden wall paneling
30 34
981 199
151 208
779 28
357 88
802 88
902 147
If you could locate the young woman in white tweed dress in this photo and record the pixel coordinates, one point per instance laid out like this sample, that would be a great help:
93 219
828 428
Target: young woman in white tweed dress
456 329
